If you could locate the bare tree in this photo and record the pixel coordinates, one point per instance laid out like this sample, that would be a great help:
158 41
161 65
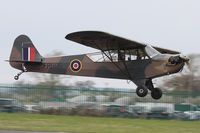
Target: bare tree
85 84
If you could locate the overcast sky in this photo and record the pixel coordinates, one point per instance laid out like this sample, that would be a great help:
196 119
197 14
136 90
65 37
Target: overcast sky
173 24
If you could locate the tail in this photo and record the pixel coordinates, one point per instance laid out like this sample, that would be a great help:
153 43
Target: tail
24 51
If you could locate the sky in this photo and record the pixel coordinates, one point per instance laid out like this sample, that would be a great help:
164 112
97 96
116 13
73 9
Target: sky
171 24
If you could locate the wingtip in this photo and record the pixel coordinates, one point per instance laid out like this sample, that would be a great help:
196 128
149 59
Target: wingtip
70 35
67 36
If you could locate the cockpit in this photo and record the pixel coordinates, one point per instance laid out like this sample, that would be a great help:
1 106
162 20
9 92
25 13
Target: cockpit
143 53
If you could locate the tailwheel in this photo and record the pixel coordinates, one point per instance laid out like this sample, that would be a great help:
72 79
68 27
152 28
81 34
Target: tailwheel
141 91
16 77
156 93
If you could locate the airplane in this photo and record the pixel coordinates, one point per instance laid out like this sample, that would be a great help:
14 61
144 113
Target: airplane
118 58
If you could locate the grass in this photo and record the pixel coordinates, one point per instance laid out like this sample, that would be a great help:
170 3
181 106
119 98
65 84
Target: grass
77 124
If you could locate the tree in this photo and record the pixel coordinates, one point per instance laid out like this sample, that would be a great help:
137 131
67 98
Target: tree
85 84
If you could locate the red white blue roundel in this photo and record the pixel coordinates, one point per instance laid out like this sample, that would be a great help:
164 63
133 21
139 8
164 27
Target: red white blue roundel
75 65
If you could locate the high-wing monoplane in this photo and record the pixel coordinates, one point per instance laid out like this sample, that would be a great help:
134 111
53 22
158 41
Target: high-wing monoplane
117 58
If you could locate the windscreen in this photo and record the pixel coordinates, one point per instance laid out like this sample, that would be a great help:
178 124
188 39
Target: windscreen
151 52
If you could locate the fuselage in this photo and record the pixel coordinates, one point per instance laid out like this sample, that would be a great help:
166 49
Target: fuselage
82 65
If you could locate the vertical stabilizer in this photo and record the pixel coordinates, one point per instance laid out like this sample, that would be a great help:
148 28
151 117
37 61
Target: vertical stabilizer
23 51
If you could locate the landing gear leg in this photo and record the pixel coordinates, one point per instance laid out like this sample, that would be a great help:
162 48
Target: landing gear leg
16 77
156 93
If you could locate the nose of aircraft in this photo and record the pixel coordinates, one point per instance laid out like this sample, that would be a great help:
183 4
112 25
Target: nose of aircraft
186 60
178 59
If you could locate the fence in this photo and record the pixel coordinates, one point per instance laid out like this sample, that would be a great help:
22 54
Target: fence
104 102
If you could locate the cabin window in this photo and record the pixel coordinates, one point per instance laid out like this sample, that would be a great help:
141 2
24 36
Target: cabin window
118 55
129 55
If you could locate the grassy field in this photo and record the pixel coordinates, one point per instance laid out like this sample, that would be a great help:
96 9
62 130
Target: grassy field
77 124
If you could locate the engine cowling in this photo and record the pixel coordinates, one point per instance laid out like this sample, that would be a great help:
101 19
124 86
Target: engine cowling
178 59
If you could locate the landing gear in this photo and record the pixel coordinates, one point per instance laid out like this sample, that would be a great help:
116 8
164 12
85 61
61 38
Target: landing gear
141 91
16 77
156 93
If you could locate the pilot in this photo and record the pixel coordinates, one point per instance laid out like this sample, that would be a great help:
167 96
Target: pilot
121 55
139 55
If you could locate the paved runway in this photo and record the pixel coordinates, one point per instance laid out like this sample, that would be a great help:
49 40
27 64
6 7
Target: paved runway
7 131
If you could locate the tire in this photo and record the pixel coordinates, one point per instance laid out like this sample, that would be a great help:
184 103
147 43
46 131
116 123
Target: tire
16 77
156 93
141 91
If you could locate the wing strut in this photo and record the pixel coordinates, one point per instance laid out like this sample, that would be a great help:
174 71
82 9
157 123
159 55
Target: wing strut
129 76
111 59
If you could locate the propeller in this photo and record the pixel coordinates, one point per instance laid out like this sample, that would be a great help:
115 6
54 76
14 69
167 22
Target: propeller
179 59
187 61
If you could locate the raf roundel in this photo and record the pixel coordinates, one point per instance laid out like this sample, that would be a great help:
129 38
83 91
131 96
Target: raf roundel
75 65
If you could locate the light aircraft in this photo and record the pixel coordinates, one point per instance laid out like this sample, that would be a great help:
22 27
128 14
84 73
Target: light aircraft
118 58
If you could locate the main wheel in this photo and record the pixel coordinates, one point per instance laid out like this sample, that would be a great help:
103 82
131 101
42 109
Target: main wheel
141 91
156 93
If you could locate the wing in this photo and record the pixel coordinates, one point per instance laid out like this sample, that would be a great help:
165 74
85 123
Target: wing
166 51
105 41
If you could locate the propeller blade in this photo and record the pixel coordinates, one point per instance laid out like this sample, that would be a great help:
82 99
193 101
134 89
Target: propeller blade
188 65
187 61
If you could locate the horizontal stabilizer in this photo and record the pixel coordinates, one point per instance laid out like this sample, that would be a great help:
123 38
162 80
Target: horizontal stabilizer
21 61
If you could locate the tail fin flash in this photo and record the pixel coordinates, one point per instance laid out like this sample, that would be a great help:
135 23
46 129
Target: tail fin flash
23 51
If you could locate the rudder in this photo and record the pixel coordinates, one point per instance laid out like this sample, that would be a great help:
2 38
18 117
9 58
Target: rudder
23 51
